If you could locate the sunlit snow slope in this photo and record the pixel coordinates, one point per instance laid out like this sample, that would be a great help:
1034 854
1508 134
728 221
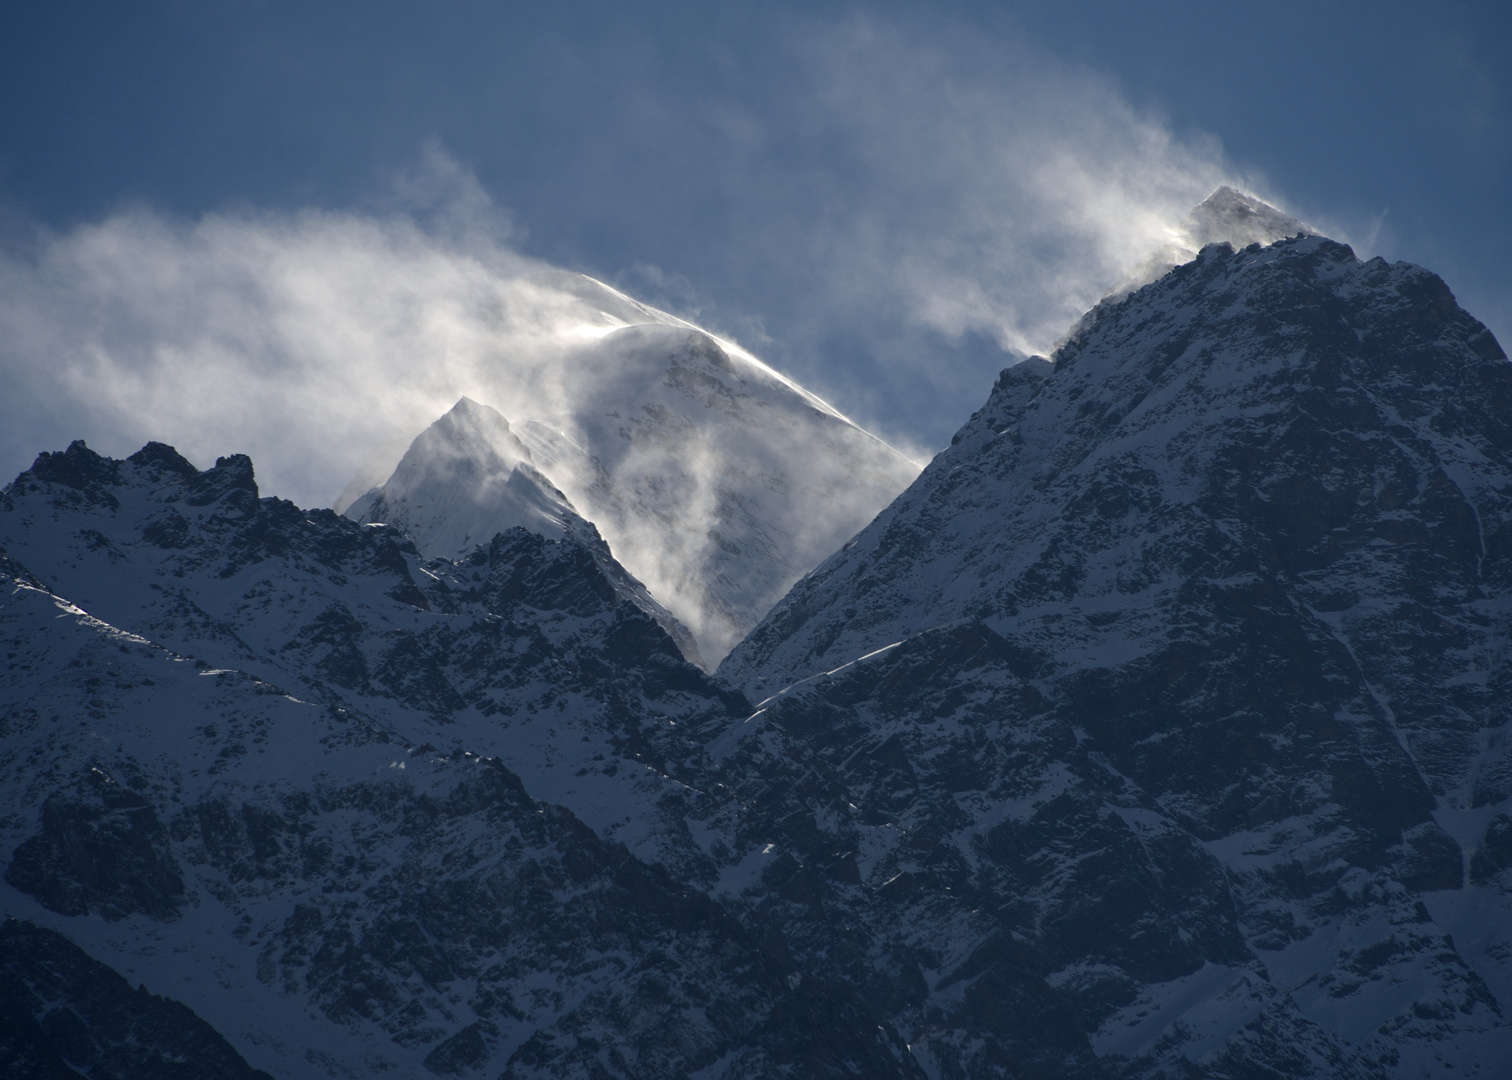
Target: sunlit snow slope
715 481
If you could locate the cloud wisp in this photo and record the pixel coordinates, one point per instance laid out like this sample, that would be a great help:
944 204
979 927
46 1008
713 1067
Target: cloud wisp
907 205
307 340
321 343
1010 190
907 188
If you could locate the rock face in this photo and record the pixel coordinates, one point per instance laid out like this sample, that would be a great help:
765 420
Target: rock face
103 849
1158 730
714 480
521 632
63 1015
1188 664
294 803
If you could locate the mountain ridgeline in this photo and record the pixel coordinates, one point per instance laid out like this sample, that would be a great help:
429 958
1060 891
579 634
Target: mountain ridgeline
1158 729
716 481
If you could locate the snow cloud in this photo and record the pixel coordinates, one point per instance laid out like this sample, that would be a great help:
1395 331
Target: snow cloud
308 340
891 192
925 186
1008 190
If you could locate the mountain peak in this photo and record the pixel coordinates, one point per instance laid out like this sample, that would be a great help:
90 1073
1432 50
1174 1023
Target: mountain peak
1227 216
715 480
1221 576
472 420
1240 219
467 407
463 479
467 478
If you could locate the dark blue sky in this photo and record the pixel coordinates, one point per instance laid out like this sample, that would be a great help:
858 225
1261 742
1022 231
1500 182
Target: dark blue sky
755 165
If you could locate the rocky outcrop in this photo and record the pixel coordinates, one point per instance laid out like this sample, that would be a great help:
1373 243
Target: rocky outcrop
64 1015
101 848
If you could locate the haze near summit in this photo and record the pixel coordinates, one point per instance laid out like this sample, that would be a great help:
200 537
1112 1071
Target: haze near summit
306 236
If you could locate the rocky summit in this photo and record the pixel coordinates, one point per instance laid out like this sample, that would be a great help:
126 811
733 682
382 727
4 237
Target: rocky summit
1157 730
1186 668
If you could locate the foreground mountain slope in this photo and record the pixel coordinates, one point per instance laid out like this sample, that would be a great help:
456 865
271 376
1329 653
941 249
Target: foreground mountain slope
1188 665
715 480
61 1011
253 818
487 652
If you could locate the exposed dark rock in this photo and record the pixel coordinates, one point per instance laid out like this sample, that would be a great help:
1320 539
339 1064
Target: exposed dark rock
101 849
1169 660
1494 852
64 1014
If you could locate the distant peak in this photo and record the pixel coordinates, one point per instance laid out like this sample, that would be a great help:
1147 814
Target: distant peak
472 421
467 407
1226 216
1240 219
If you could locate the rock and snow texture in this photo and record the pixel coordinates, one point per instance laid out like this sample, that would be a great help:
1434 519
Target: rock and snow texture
489 650
1187 669
1159 729
268 761
467 478
715 480
463 479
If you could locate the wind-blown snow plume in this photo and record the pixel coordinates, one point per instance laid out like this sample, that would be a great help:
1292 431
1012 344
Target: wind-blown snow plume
1022 186
924 185
308 339
903 185
906 189
324 342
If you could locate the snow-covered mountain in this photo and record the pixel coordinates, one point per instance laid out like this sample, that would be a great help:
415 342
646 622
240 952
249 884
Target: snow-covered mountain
715 480
269 762
1187 668
1232 217
1158 729
463 479
467 478
1226 216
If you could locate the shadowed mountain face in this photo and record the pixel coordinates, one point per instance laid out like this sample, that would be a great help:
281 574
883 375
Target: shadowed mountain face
63 1015
269 768
1189 660
1158 730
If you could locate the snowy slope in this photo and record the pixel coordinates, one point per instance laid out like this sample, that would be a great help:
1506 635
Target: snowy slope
336 903
1158 729
270 764
715 481
467 478
1187 665
463 479
488 652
